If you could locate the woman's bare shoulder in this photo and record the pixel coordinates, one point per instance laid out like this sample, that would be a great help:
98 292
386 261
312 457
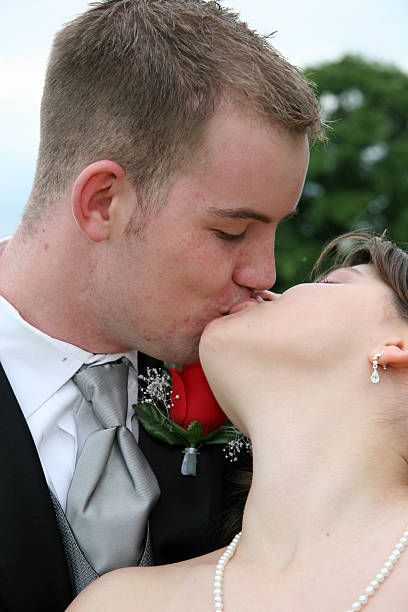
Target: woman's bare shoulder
124 589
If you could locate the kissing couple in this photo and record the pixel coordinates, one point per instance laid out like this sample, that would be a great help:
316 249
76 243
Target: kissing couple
317 379
174 140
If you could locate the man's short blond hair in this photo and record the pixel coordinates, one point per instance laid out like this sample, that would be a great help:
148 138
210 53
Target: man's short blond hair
136 81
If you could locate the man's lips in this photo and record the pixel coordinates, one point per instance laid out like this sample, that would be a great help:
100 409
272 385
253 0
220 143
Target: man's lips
254 296
242 304
258 297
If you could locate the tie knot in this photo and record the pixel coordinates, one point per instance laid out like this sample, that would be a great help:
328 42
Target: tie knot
105 387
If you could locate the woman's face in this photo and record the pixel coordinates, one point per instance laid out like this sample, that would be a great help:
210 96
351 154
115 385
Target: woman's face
311 327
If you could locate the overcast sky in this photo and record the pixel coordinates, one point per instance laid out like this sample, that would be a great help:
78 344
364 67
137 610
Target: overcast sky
308 32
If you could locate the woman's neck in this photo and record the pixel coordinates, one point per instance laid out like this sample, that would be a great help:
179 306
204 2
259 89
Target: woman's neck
324 471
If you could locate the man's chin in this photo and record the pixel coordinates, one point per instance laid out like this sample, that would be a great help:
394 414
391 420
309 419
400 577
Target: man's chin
178 355
184 352
189 352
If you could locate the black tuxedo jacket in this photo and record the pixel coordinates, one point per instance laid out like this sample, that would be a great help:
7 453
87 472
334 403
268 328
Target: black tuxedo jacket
33 569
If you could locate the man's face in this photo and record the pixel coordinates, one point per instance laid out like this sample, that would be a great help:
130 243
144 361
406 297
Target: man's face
212 243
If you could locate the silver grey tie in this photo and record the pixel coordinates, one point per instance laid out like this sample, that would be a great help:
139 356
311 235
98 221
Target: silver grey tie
114 488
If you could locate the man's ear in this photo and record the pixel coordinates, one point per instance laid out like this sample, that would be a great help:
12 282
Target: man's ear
92 196
394 355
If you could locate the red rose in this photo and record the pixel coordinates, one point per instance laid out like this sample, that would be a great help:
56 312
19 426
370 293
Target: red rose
193 400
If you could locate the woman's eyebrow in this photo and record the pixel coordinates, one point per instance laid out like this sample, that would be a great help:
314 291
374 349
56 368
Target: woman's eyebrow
351 269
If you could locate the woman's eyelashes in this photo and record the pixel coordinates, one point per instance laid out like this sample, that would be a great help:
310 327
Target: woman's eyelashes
229 237
327 281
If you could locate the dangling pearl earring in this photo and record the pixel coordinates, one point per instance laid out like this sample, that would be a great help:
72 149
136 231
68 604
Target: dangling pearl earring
374 376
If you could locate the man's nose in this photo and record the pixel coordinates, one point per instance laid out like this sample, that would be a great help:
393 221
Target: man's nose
256 268
267 296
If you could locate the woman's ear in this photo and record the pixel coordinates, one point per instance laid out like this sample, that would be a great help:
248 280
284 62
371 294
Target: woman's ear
92 197
394 355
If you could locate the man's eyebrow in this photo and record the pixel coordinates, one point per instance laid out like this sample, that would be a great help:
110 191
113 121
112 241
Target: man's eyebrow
245 213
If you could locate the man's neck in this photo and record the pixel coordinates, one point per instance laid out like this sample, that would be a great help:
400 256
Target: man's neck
38 278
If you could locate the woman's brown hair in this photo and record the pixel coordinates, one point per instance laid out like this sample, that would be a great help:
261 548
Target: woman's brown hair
390 261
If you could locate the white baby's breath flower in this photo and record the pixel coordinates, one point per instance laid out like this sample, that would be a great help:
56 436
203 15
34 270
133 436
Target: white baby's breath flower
236 446
157 388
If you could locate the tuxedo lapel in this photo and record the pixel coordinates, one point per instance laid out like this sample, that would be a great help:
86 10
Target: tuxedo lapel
185 521
33 569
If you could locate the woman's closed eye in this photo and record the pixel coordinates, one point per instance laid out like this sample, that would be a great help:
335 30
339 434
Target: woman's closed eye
325 279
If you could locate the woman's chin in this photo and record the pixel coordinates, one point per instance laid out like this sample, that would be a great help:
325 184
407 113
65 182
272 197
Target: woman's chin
210 327
211 348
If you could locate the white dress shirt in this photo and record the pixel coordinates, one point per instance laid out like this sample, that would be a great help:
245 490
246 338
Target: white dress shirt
40 369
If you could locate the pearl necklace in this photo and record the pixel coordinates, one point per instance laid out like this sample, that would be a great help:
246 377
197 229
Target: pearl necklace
355 607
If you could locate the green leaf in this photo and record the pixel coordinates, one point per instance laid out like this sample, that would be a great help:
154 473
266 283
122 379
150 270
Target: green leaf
148 411
181 432
222 435
195 433
167 365
157 424
160 426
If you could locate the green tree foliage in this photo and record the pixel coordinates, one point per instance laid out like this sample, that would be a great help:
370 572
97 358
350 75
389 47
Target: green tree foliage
359 178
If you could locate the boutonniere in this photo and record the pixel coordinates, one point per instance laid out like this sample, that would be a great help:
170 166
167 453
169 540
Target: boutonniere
179 408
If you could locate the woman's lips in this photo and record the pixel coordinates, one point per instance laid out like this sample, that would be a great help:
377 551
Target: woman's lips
242 304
